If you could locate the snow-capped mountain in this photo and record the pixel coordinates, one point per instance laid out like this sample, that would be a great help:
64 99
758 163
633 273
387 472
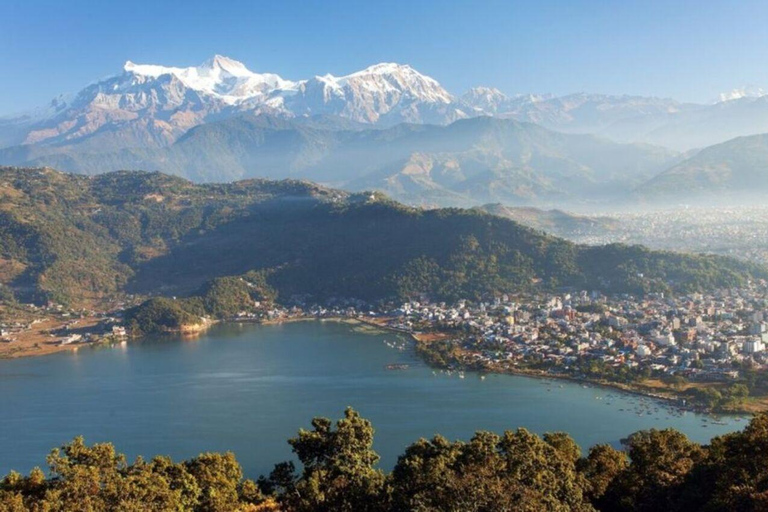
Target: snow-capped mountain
486 100
151 105
658 121
741 92
587 113
220 77
386 93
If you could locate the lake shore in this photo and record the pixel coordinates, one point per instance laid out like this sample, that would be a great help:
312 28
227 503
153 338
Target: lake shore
640 389
36 344
38 340
234 383
424 339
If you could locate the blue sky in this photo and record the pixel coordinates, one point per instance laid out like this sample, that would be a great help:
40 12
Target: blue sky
689 50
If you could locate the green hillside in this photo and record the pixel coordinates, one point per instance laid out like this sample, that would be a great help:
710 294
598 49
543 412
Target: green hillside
81 240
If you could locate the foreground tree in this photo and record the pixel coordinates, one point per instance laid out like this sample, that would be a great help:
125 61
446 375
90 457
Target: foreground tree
516 471
98 479
599 469
339 472
661 463
735 475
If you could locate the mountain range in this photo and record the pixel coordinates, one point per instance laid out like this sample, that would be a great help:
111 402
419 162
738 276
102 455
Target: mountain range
387 127
470 161
151 105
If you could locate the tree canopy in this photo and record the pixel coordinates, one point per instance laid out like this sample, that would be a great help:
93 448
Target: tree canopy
513 471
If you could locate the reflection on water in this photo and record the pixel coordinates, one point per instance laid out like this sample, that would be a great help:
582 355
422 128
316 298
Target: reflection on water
248 388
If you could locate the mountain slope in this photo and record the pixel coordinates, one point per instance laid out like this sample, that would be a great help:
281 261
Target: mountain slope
386 93
488 160
468 162
658 121
712 124
737 166
592 113
148 106
83 240
556 222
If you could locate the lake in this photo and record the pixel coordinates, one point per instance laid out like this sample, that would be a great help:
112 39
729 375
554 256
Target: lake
247 388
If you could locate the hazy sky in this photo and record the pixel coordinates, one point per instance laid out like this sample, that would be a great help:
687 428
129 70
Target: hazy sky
689 50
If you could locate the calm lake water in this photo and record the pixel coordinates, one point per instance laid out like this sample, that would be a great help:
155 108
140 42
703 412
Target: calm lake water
248 388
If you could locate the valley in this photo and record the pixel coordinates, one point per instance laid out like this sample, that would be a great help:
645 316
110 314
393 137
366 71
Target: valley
737 231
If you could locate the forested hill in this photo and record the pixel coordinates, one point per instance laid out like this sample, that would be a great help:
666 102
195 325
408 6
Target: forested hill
78 240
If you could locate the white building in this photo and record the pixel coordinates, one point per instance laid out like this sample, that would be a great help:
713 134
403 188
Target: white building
752 346
643 350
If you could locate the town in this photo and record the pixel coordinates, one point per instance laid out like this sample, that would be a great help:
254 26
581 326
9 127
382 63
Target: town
710 345
704 350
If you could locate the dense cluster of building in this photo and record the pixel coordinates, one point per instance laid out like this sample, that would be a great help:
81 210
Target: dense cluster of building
698 336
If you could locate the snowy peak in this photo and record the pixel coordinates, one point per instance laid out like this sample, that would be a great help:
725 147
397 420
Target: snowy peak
215 65
225 64
150 104
387 93
485 93
393 77
388 68
373 91
221 77
487 100
742 92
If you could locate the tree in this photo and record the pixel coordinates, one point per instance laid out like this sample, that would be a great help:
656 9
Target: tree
603 464
517 471
98 479
735 477
179 480
564 445
339 471
661 461
218 477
